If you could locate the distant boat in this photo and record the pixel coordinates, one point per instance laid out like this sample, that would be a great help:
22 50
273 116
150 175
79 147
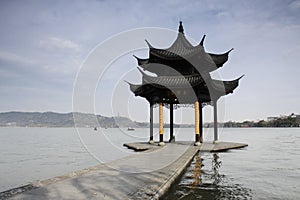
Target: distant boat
95 129
130 129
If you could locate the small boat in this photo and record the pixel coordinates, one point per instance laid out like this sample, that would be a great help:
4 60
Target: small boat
130 129
95 129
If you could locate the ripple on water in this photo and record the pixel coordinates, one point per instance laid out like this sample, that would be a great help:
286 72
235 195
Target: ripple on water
203 180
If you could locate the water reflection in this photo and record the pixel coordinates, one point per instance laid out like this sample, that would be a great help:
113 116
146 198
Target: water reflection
197 171
216 164
203 180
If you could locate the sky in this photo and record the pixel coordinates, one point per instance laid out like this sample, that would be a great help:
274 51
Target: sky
45 47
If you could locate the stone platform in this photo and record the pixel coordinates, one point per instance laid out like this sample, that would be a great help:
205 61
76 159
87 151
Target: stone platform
204 147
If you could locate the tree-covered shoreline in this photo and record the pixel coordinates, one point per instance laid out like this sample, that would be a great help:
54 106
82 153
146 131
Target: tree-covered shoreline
289 121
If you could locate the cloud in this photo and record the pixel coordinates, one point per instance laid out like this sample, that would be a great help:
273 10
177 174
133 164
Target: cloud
59 43
11 57
295 4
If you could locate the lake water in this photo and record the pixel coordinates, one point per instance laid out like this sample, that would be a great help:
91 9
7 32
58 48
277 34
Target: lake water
269 168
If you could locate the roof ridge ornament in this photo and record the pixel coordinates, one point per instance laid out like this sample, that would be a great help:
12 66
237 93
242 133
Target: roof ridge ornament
202 40
180 29
149 45
141 71
144 74
240 77
230 50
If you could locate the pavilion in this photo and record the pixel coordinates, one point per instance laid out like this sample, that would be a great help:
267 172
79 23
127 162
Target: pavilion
183 77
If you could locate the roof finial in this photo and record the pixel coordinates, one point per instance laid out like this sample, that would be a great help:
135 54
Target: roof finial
149 45
202 40
180 29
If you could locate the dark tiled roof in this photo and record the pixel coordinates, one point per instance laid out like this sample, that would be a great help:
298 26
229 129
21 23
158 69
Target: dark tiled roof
183 51
191 61
219 59
225 86
205 93
141 61
173 81
181 48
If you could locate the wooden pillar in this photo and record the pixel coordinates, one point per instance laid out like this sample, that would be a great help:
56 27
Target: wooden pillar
197 133
201 122
215 121
161 125
151 141
172 138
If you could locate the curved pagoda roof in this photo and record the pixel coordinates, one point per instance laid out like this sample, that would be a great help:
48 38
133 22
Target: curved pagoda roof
183 74
182 56
172 81
162 90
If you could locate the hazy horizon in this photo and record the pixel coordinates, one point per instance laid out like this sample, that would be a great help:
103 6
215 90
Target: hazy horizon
165 122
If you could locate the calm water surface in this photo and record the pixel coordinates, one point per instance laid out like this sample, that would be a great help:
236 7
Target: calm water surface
268 169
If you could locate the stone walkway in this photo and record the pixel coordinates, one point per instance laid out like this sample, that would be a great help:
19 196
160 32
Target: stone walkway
144 175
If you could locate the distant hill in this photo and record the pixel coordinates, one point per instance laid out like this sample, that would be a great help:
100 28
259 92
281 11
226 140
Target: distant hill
52 119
